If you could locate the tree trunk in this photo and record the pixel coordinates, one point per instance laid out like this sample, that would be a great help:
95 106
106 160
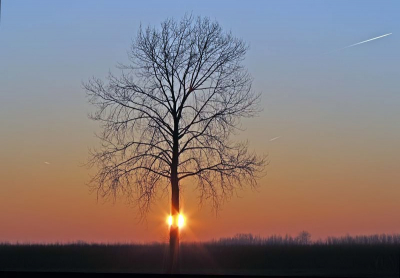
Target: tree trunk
174 229
174 232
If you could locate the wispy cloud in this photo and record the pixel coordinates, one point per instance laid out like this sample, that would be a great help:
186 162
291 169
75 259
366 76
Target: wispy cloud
46 162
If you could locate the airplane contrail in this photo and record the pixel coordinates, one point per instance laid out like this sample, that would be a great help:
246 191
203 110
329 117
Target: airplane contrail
272 139
361 42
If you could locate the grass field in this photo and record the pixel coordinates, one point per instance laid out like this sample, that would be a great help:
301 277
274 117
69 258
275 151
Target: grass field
357 260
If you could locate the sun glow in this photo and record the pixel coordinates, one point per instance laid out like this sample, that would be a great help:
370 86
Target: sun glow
181 220
169 220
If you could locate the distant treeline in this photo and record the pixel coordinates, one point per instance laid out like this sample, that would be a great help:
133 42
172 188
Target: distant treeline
304 238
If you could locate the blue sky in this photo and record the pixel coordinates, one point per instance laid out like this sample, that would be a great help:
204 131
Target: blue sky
67 41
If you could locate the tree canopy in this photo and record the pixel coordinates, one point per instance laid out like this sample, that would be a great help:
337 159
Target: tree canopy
171 112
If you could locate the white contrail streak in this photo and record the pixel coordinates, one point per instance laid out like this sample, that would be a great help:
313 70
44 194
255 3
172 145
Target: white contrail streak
362 42
274 138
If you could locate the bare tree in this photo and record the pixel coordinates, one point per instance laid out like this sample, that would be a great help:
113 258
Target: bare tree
169 115
304 238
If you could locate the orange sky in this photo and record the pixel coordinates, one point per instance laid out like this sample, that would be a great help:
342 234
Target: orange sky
317 181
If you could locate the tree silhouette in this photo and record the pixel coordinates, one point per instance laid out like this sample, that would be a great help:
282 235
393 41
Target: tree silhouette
168 117
304 238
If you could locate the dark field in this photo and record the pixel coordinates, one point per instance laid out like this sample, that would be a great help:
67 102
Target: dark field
379 260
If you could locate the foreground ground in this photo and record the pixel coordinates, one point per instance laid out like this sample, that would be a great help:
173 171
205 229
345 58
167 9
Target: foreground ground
298 260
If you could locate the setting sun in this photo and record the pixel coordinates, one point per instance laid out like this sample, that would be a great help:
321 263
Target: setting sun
181 220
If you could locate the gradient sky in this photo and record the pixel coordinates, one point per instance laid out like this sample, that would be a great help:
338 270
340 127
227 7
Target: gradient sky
333 170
